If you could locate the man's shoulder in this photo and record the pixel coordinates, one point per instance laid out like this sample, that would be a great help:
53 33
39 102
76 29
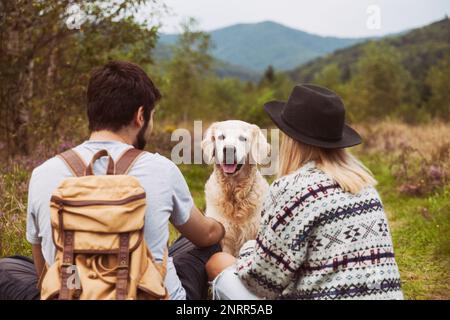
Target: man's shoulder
46 177
50 166
155 161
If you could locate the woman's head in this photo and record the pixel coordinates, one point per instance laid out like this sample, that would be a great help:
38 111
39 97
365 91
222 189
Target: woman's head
339 164
314 129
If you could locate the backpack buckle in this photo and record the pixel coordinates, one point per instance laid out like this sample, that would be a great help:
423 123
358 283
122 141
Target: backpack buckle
124 252
123 263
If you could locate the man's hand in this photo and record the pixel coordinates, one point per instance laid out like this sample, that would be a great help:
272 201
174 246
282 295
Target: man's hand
200 230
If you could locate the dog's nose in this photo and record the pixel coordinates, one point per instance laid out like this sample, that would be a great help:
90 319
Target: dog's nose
229 154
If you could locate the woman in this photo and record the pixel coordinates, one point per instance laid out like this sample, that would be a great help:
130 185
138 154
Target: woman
324 233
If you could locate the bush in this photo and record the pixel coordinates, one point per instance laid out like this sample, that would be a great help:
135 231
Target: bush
419 156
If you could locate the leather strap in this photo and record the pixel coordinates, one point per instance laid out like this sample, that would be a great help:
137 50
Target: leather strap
162 267
102 153
65 292
123 165
123 267
127 159
74 162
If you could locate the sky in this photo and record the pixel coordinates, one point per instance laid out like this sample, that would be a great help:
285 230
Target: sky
342 18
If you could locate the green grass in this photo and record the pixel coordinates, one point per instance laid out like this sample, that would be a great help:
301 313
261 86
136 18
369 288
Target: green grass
196 177
419 225
13 200
420 231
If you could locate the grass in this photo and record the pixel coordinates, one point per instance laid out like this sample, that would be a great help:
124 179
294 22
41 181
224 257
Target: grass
13 199
420 231
196 177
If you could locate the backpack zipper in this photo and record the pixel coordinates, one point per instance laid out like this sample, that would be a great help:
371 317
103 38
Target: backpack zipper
81 203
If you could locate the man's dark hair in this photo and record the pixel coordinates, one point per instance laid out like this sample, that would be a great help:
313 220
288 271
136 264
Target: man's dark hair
115 93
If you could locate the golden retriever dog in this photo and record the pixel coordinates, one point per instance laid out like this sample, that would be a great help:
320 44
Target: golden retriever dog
235 190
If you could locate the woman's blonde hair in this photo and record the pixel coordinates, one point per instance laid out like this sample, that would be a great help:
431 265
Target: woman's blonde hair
339 164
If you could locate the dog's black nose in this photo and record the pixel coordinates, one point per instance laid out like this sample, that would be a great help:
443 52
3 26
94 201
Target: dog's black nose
229 154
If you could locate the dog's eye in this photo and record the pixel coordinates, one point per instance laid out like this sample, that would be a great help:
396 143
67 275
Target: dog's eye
221 137
242 138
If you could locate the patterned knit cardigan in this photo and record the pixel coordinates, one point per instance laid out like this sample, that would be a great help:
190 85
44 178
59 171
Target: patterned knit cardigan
318 242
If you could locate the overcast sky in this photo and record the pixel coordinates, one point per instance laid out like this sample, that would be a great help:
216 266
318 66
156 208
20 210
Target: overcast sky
343 18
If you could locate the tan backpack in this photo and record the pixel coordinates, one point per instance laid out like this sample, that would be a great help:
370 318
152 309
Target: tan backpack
97 228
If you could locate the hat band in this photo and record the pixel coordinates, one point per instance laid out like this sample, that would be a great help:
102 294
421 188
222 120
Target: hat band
327 139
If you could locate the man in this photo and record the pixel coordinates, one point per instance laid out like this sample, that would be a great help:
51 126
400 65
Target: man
120 106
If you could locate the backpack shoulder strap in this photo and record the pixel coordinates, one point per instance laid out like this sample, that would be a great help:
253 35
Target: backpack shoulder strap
127 160
74 162
164 264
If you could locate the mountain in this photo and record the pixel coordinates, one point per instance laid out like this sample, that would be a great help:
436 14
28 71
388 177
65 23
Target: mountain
421 48
219 67
256 46
225 69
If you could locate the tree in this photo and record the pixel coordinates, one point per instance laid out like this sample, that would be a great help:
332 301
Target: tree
438 80
268 76
45 59
329 77
188 68
379 85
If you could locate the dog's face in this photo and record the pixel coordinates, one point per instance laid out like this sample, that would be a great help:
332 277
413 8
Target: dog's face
233 144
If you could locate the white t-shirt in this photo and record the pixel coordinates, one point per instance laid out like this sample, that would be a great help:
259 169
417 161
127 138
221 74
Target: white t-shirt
168 198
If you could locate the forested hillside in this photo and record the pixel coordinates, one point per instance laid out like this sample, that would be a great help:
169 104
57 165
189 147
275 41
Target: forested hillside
409 73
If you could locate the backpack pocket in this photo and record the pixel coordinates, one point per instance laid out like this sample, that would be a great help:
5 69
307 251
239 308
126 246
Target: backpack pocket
51 282
151 285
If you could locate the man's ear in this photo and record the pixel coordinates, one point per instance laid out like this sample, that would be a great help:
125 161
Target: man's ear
150 123
139 117
208 145
260 148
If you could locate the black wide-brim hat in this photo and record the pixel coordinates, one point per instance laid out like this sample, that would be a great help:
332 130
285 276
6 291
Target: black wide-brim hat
315 116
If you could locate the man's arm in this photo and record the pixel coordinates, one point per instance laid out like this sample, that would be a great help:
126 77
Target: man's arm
200 230
32 232
38 258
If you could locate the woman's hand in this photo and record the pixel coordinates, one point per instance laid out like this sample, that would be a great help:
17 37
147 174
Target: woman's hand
217 263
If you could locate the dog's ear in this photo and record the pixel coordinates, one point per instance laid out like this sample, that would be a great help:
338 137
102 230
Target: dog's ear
208 146
260 148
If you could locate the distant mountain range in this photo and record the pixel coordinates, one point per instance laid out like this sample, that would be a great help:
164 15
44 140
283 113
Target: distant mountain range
245 50
254 47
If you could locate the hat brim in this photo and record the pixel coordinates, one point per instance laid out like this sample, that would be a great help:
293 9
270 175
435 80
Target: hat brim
349 138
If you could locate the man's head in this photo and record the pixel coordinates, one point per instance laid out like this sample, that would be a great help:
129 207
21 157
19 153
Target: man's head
121 98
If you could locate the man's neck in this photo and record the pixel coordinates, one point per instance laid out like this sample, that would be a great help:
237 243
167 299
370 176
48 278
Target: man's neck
106 135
